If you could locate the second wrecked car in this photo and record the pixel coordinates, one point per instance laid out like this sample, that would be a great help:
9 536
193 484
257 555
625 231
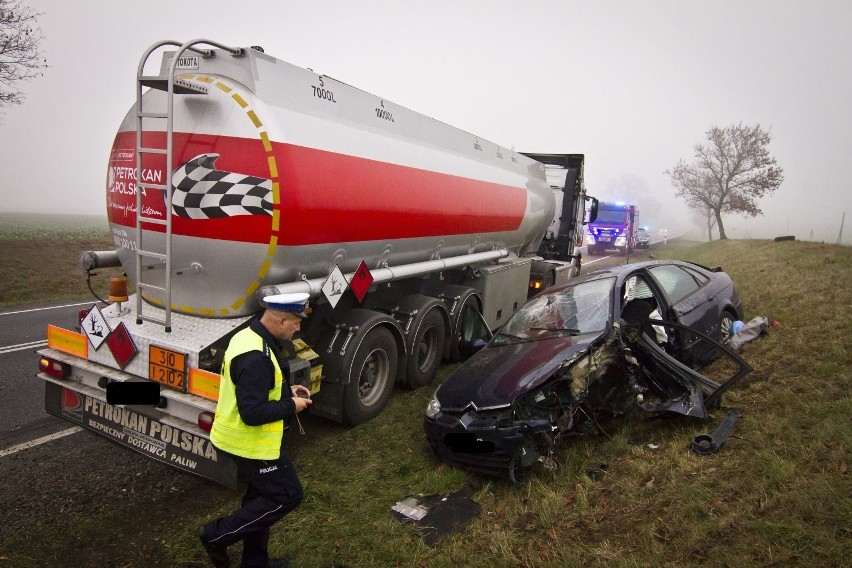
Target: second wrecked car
631 336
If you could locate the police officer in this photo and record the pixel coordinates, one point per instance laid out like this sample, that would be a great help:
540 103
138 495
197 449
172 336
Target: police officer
255 401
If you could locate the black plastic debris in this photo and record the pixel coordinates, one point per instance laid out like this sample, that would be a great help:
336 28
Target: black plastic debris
704 444
436 516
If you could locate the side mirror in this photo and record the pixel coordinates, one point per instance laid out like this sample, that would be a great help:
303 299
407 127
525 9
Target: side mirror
593 211
473 333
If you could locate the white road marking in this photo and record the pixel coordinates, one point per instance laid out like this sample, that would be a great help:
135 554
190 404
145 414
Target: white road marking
48 308
39 441
22 346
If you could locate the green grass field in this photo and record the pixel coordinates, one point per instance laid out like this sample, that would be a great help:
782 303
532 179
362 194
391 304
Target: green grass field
778 494
40 254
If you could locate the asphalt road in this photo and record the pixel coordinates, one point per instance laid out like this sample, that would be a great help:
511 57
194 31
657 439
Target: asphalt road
22 332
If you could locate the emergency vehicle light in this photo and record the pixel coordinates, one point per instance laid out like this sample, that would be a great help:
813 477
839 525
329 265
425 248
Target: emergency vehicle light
117 289
55 369
205 420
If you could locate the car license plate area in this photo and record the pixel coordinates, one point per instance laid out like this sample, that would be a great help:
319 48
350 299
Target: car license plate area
468 444
167 367
605 239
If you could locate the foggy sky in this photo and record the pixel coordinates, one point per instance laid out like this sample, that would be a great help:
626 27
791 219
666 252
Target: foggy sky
632 85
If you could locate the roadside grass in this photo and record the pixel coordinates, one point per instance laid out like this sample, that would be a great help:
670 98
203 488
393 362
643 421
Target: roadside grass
39 257
777 494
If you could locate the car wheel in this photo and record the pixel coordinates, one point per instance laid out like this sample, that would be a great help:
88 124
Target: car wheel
726 322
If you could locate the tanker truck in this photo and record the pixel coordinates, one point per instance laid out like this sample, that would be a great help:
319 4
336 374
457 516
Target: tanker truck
237 175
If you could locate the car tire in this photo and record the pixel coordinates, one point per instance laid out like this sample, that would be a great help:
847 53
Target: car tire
726 322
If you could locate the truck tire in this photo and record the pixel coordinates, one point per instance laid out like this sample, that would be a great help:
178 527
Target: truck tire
457 299
372 377
427 350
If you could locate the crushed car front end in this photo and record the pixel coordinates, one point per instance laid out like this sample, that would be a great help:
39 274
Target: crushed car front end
488 442
504 409
504 440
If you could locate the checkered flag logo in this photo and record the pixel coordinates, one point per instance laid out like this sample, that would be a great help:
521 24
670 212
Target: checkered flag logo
203 192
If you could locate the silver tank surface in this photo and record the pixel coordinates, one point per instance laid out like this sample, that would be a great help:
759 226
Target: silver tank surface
280 174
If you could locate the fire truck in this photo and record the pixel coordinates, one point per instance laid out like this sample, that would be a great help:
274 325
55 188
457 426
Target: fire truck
237 175
613 228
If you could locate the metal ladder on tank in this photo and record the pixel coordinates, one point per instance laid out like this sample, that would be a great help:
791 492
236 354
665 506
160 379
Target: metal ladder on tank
161 256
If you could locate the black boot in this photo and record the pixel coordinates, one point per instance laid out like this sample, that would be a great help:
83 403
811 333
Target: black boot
217 553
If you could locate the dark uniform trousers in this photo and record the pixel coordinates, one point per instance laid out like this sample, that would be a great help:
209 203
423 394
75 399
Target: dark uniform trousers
273 491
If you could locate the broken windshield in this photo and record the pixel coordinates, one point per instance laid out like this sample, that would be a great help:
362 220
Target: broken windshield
584 308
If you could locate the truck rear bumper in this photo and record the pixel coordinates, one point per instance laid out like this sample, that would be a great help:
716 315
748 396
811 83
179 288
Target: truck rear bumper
167 439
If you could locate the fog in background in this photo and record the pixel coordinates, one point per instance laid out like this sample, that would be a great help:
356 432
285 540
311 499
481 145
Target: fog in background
632 85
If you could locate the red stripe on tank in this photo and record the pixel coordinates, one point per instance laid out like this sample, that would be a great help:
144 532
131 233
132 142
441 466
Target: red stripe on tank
325 197
333 197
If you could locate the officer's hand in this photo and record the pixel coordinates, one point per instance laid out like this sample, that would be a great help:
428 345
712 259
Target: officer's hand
301 403
300 390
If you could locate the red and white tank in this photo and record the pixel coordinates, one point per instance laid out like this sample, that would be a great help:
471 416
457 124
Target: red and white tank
279 174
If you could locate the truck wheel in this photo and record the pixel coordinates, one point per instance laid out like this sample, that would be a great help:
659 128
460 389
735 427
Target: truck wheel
427 350
371 377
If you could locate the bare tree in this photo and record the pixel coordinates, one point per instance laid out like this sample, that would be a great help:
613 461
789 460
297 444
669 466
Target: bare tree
21 56
704 217
730 173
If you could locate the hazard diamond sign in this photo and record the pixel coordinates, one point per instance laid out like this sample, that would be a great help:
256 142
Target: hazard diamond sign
121 345
95 326
334 287
361 281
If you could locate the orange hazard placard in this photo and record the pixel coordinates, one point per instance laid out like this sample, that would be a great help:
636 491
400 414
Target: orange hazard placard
167 367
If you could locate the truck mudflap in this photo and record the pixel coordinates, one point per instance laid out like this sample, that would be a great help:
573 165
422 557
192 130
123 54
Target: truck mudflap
155 435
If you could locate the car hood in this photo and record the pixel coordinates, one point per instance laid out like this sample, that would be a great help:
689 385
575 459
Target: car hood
496 375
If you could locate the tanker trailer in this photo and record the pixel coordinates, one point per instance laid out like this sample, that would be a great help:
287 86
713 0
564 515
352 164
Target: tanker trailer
237 175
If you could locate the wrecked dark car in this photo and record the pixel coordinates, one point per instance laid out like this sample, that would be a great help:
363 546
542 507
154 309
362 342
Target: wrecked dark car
641 336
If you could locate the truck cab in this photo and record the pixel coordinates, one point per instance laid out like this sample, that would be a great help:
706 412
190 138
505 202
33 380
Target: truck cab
614 228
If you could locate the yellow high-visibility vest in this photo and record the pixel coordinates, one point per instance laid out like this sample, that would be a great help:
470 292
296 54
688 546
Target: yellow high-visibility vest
229 432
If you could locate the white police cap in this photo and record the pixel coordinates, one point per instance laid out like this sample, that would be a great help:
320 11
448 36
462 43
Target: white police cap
296 303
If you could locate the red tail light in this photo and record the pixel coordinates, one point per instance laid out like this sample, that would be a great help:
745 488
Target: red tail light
205 421
53 368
